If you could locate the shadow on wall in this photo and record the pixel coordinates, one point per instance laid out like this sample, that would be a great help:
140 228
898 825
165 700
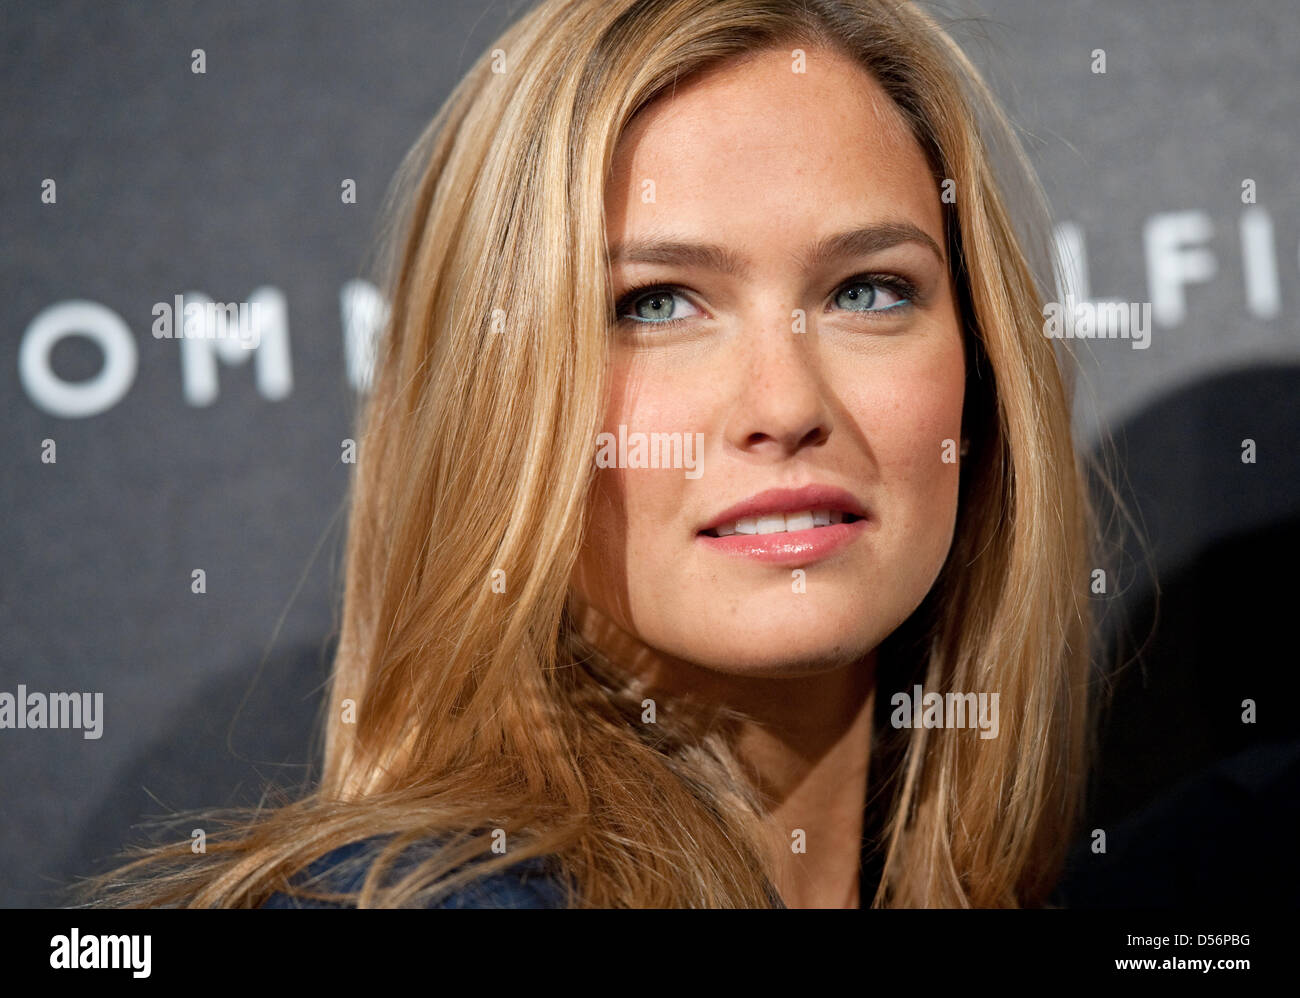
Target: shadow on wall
1197 786
1197 806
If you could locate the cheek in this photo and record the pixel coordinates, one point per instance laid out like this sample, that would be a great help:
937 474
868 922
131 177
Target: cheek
629 506
905 412
648 398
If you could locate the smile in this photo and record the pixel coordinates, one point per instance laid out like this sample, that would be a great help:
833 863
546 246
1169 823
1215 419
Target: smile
778 523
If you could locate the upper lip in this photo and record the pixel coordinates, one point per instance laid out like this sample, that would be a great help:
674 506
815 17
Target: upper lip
807 497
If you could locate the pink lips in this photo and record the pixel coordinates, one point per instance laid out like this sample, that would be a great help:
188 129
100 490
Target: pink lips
799 546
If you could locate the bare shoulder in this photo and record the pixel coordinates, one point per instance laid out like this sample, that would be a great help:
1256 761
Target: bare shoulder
532 883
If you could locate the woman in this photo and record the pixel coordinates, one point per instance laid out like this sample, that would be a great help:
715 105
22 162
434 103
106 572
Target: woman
714 436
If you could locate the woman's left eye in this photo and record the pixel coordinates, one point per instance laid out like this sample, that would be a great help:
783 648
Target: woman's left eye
867 292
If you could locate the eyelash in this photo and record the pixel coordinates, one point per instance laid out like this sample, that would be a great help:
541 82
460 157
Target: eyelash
902 287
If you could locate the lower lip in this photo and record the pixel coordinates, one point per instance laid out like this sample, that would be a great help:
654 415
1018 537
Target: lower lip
798 547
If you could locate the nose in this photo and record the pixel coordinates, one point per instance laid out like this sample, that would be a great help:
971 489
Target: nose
782 401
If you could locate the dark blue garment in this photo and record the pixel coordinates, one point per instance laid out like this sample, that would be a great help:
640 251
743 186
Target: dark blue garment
531 883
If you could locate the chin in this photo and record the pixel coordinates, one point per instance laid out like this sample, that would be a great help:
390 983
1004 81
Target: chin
776 648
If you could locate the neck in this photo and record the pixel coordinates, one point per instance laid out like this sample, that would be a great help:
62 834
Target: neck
806 748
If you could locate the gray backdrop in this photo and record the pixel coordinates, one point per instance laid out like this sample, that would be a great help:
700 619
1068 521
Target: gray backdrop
227 183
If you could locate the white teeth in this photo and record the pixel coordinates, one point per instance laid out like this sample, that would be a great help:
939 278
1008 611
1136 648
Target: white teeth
776 523
798 521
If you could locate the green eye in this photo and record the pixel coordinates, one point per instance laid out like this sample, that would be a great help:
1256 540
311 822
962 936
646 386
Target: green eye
651 304
655 306
866 294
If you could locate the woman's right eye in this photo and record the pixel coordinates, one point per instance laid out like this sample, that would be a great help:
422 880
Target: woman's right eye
651 305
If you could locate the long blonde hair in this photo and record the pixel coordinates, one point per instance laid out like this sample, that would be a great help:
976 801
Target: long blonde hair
457 708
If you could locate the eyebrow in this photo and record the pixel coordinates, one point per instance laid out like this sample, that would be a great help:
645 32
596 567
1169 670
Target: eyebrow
861 241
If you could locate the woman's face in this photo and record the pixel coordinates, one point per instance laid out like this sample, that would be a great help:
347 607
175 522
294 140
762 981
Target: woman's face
796 318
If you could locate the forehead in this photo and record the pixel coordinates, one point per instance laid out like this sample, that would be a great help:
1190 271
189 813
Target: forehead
756 143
